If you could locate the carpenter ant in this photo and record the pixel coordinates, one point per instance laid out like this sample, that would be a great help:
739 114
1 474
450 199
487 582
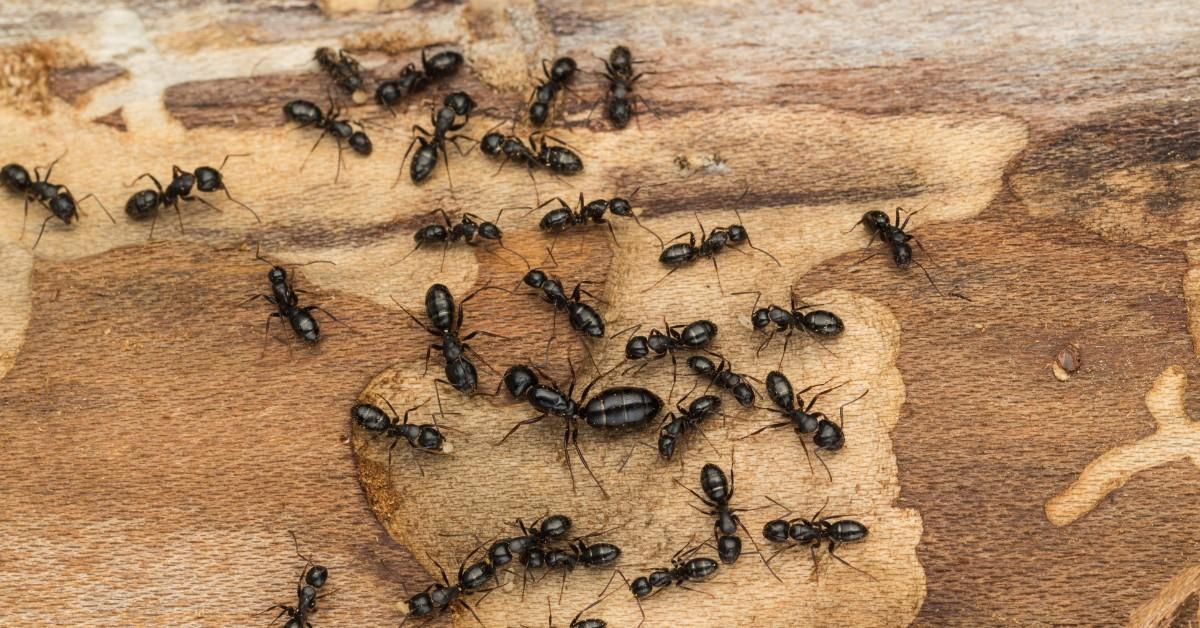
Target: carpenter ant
343 69
612 408
619 102
562 218
694 335
581 316
447 323
812 533
307 114
203 179
471 229
444 121
54 197
438 597
412 80
827 435
424 437
724 377
712 242
555 158
717 494
557 77
286 301
582 553
577 622
676 426
892 235
312 578
820 323
683 569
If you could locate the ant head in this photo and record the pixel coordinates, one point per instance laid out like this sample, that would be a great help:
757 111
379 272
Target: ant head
902 254
519 379
776 530
15 177
492 143
63 206
760 318
829 436
621 59
276 275
208 179
738 233
701 365
442 64
535 278
460 102
637 347
389 93
316 576
429 438
620 207
489 231
563 69
325 54
875 220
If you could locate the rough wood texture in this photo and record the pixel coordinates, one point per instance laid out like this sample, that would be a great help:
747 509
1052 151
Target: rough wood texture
157 452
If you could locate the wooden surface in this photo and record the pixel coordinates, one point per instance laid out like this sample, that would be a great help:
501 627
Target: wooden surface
157 452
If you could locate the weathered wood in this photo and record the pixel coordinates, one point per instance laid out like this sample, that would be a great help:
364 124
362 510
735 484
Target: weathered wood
1051 152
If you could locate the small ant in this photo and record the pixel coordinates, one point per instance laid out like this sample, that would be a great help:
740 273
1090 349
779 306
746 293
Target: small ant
892 235
724 377
438 597
562 218
577 622
827 435
412 80
447 323
56 198
582 317
425 437
204 179
712 242
307 114
312 578
682 570
812 533
612 408
619 102
343 69
444 121
695 335
557 77
820 323
718 491
469 227
676 426
555 158
287 302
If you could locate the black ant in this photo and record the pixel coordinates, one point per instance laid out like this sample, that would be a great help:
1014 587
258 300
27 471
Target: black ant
312 578
307 114
723 376
582 317
562 218
820 323
343 69
683 570
425 437
412 80
557 158
444 120
892 235
718 491
447 323
577 622
712 242
612 408
438 597
695 335
204 179
827 435
286 300
676 426
557 77
56 198
471 229
619 102
812 533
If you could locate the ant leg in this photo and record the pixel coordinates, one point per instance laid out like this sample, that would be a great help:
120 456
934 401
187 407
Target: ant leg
25 219
832 546
314 147
553 327
114 221
817 454
867 257
446 161
43 230
764 345
326 313
813 400
786 339
930 278
771 426
179 215
661 279
926 251
842 410
529 421
716 270
243 205
674 376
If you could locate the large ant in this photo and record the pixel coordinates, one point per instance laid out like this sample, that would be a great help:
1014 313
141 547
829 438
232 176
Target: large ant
712 242
562 218
412 80
723 377
619 102
306 114
312 578
287 303
557 76
718 491
343 69
447 323
683 569
444 120
612 408
694 335
812 533
820 323
827 435
54 197
425 437
204 179
471 229
892 235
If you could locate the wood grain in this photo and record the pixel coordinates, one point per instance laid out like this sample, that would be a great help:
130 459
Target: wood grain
1050 148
